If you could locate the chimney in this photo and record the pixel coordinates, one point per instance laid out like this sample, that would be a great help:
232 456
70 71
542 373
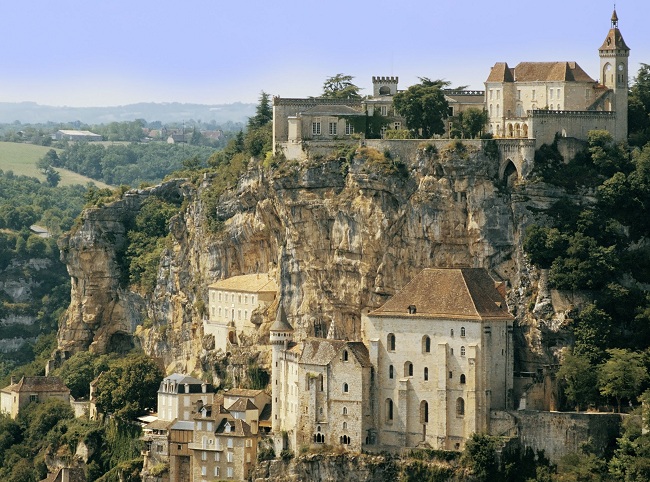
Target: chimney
13 380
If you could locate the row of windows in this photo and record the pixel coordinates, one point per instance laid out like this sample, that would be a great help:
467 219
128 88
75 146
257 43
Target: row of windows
230 473
424 410
332 127
227 312
232 298
408 371
426 340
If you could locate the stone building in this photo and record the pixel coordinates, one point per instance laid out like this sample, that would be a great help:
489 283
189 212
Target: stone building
232 303
539 99
434 361
31 389
442 353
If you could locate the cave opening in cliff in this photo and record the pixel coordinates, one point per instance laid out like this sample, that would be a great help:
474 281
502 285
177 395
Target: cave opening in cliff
120 343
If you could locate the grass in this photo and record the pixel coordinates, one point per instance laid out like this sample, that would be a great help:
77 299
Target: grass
21 159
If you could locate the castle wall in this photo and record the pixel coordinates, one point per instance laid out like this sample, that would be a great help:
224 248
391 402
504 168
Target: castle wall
545 124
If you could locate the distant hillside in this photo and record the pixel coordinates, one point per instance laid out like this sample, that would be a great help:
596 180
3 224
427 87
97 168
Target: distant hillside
21 160
32 113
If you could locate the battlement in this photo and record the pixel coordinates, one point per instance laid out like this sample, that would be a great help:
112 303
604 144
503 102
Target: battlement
385 80
313 101
464 92
572 113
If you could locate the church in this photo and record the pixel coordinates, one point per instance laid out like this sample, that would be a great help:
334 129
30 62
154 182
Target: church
434 361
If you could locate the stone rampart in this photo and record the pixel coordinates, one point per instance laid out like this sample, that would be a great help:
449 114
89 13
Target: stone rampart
544 124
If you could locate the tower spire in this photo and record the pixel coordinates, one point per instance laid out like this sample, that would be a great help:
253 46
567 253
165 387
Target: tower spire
614 18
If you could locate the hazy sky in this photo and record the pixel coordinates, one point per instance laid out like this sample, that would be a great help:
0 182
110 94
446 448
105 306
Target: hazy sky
115 52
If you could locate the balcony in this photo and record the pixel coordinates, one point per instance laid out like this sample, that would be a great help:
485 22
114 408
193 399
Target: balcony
206 447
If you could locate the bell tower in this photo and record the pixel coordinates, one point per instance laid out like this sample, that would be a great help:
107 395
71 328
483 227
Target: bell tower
614 55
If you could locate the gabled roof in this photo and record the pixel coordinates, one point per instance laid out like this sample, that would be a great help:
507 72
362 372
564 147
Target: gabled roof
37 384
321 351
183 379
241 405
241 428
448 293
550 71
242 392
247 283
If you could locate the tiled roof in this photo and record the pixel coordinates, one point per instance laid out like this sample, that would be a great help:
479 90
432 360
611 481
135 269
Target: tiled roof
249 283
242 392
265 414
550 71
448 293
37 384
500 73
614 41
159 425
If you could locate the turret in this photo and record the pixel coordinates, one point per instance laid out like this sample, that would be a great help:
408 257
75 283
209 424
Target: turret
384 86
281 334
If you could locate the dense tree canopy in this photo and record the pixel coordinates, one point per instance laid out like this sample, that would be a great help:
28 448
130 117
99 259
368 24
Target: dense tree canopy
639 108
424 107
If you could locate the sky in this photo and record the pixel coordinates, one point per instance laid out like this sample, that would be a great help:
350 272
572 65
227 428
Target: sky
118 52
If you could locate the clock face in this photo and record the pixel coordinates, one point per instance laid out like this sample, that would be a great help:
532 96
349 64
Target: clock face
620 67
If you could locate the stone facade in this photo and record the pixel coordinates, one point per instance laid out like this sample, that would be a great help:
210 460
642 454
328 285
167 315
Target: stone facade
231 306
31 389
435 359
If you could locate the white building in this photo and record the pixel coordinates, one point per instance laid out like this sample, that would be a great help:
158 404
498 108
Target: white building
233 304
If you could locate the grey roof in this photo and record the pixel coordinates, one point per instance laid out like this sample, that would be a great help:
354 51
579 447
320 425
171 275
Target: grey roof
321 351
241 405
241 427
281 323
182 425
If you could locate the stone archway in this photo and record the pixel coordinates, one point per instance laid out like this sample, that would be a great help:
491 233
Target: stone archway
509 173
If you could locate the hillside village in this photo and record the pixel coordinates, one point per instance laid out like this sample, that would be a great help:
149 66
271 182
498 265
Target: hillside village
434 363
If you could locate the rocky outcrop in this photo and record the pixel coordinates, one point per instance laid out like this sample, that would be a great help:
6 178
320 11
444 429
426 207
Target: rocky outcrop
339 236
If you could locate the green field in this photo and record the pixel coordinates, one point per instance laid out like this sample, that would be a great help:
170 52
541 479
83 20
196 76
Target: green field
21 159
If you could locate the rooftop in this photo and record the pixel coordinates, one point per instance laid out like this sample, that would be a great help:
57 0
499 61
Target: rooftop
249 283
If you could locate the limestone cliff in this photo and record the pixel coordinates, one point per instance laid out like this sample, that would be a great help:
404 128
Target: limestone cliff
340 236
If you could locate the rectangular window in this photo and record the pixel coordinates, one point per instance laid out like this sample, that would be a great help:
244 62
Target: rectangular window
550 93
349 128
498 94
315 127
209 426
230 472
204 455
219 295
533 95
216 471
229 443
204 471
332 128
384 110
518 94
246 299
248 458
230 457
33 398
217 456
558 94
239 314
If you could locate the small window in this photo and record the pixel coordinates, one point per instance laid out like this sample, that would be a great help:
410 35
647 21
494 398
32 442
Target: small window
345 355
460 407
345 410
332 128
462 351
345 425
424 411
345 388
390 342
384 110
397 126
391 371
426 344
389 410
451 332
315 127
349 128
462 379
426 374
451 374
462 331
408 369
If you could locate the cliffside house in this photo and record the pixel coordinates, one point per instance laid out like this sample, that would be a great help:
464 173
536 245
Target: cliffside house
31 389
232 303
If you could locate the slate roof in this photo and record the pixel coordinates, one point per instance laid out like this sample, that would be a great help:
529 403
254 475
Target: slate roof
194 384
74 474
248 283
448 293
242 392
159 425
333 110
242 429
281 323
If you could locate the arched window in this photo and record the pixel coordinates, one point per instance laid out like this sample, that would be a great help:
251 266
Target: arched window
462 351
460 407
345 410
390 342
424 411
451 332
345 355
389 410
391 371
462 331
426 344
426 374
462 379
345 388
408 369
345 425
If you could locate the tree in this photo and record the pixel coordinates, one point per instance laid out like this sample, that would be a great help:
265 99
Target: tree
469 124
481 457
340 86
263 113
129 387
580 380
622 375
52 177
80 369
423 106
639 108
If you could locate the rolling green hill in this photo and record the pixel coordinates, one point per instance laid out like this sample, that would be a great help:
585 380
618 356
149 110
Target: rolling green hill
21 159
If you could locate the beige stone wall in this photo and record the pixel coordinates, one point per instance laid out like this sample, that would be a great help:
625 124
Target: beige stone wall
544 125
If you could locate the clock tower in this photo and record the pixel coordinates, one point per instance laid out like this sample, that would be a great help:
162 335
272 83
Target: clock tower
614 55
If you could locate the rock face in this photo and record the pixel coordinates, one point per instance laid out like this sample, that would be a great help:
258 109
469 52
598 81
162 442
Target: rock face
339 236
